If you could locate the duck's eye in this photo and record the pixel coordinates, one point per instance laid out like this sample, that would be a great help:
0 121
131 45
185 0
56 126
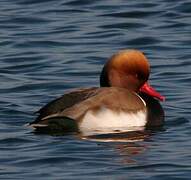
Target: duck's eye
140 76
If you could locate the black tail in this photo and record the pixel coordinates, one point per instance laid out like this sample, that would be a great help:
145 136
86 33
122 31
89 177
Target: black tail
56 126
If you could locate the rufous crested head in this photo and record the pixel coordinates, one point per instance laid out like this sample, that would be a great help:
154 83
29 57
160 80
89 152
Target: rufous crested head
127 69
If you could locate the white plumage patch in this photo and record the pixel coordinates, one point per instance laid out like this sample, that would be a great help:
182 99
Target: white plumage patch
108 121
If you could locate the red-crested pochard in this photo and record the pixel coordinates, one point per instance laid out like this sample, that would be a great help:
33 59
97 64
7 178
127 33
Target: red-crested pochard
124 102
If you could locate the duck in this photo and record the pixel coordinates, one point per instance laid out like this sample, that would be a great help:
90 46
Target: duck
125 101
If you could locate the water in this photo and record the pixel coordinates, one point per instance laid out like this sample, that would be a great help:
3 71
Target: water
48 47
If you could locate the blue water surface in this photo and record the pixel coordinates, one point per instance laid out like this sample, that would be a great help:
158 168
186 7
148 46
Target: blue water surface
48 47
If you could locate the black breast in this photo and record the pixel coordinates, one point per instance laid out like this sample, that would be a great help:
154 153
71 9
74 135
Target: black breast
155 111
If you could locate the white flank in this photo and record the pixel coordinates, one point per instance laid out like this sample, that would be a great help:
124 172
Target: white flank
108 121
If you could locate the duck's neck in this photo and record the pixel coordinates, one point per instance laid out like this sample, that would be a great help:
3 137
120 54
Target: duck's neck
104 80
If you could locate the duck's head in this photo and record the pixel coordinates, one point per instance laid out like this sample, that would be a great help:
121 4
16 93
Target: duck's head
128 69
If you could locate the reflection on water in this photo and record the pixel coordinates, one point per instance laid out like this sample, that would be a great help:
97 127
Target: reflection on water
129 151
127 145
131 136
